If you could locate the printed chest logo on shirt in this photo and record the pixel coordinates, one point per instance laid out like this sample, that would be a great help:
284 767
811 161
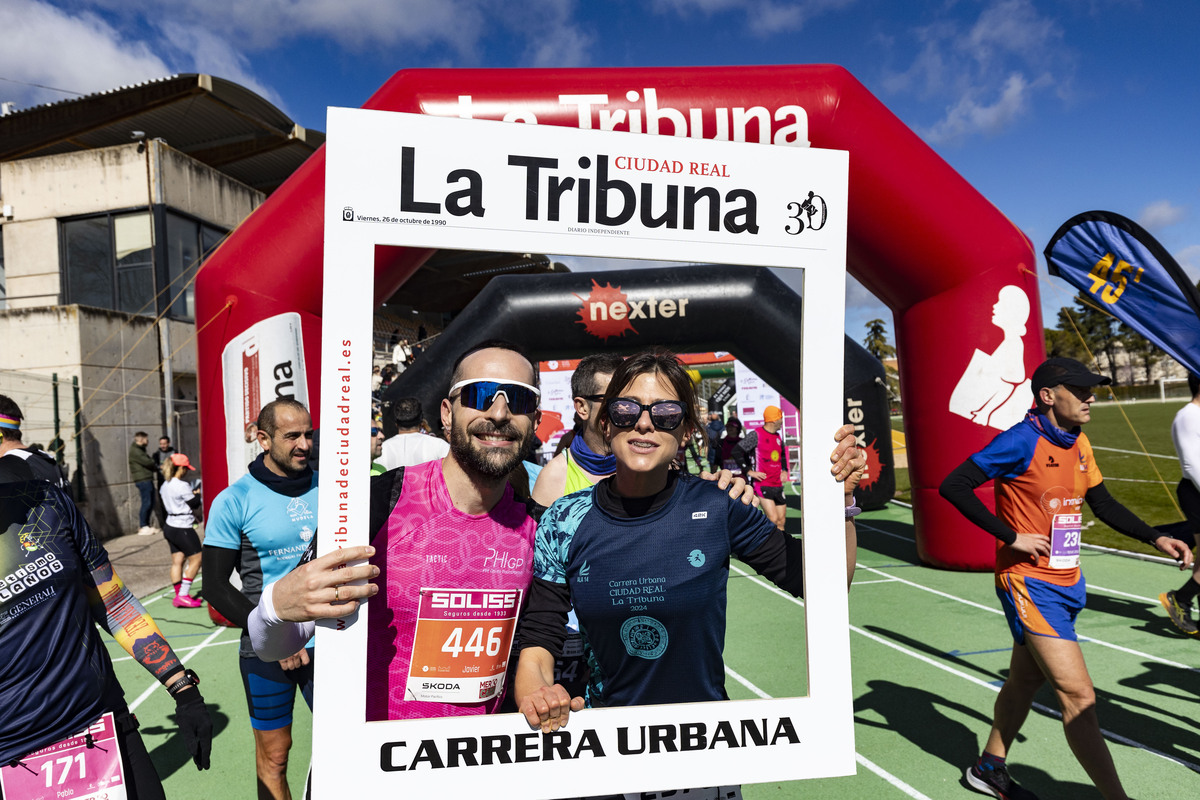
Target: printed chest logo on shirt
27 576
644 637
298 510
1059 499
503 562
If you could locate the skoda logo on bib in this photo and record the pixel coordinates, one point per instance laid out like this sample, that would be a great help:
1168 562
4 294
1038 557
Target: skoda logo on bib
644 637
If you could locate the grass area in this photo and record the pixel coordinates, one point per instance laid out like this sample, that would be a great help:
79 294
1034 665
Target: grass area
1143 484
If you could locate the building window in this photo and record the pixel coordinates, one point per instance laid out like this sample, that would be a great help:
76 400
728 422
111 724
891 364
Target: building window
108 262
188 243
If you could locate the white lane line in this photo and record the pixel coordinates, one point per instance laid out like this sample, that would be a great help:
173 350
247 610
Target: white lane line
1116 737
878 770
991 610
1152 601
1133 453
182 660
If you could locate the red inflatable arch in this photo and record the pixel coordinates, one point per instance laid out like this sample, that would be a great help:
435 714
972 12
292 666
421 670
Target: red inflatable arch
921 239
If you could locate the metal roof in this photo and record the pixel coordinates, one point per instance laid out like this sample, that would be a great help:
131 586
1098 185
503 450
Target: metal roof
213 120
450 279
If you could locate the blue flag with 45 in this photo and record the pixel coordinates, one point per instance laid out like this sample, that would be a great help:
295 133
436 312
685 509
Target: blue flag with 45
1129 274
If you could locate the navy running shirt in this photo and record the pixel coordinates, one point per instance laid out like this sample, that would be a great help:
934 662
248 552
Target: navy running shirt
650 592
55 674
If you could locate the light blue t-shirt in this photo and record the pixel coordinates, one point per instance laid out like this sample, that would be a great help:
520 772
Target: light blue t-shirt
270 530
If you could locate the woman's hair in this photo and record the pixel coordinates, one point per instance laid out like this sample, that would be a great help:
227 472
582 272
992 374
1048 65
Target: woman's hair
168 469
667 366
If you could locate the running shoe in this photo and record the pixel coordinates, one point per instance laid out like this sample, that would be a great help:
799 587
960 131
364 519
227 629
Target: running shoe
1181 617
996 783
186 601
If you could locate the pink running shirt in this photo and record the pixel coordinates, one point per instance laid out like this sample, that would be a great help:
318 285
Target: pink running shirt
457 579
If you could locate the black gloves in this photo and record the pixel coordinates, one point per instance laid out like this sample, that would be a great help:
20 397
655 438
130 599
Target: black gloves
191 715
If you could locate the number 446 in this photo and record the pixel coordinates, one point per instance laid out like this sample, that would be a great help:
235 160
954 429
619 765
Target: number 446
475 644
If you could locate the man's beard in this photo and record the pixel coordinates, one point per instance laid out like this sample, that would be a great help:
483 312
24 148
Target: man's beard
487 461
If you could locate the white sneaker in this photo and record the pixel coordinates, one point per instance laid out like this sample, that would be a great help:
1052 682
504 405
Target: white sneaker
145 531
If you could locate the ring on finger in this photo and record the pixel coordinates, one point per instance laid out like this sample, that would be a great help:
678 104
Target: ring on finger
336 598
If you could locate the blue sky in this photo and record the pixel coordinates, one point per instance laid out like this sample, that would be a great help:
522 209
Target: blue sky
1048 108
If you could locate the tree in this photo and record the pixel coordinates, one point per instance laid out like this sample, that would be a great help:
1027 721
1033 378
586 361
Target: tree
1066 344
1140 349
877 340
1096 328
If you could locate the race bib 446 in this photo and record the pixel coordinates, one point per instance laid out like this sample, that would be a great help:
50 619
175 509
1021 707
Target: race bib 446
461 644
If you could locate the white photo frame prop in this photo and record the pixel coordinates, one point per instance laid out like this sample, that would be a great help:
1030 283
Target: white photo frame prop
420 181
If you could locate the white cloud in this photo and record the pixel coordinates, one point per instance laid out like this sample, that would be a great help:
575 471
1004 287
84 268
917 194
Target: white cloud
79 53
208 53
992 69
1160 214
1189 259
969 115
763 17
553 38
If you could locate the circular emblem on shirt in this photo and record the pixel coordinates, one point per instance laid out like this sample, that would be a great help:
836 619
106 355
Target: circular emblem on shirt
644 637
696 558
774 455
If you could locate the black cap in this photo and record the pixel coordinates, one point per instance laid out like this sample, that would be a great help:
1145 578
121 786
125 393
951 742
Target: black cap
1066 371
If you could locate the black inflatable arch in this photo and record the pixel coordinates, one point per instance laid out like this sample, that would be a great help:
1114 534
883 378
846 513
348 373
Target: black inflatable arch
747 311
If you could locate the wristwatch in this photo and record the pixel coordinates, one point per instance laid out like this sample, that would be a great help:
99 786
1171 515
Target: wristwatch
189 678
853 510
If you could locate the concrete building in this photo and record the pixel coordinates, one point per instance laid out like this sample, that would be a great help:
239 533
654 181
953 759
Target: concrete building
108 206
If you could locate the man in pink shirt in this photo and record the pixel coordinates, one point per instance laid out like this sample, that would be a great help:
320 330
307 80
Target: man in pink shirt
438 593
763 458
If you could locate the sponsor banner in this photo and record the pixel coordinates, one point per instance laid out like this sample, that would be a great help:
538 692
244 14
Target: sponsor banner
1126 272
415 181
557 404
264 363
753 395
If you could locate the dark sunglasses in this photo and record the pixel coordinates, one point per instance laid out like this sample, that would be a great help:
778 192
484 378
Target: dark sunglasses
480 394
374 431
665 415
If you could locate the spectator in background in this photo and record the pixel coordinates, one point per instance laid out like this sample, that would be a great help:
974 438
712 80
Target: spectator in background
402 355
180 503
762 456
161 456
376 450
733 436
715 428
141 472
376 380
163 452
410 446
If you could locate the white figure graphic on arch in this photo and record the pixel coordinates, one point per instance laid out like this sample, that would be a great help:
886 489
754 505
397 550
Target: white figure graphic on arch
994 390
